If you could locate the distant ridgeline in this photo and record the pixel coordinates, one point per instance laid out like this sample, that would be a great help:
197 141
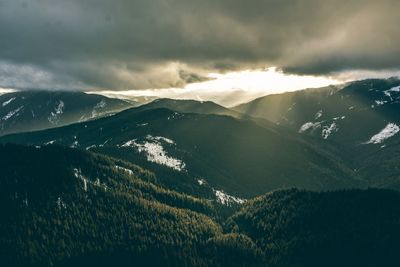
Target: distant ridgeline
35 110
67 207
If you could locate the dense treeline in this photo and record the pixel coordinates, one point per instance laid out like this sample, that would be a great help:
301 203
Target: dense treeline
63 206
66 207
343 228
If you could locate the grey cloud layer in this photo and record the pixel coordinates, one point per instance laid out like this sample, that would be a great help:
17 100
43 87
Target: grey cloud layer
128 44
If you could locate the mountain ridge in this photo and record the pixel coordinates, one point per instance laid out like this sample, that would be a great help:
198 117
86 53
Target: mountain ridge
233 154
35 110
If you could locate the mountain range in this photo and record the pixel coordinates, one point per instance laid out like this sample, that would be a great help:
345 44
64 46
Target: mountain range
306 178
361 118
237 156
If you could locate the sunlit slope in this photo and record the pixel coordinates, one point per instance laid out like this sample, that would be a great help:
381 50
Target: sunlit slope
351 115
234 155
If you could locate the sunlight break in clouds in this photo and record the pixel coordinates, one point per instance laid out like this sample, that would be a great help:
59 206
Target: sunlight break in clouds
233 88
268 81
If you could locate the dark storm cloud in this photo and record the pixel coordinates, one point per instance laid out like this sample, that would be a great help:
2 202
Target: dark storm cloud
128 44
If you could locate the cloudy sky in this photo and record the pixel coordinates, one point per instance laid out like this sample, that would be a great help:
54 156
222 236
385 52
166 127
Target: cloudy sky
124 45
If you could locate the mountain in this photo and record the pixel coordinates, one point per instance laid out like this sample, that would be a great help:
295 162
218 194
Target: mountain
234 158
343 228
34 110
361 119
191 106
362 112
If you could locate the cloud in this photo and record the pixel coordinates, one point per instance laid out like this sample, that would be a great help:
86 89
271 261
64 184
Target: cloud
136 44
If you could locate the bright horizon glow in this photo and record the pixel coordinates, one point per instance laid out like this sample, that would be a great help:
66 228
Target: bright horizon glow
6 90
269 81
232 88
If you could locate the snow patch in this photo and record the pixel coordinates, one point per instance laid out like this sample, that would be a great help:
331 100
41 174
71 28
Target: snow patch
226 199
55 116
95 112
160 138
389 131
176 115
90 147
201 181
119 168
394 89
60 203
152 147
339 118
318 114
78 174
380 102
389 92
75 143
12 113
309 125
49 142
8 101
328 130
105 142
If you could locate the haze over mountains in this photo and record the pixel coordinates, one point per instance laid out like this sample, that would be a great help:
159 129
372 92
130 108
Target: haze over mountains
362 119
221 176
35 110
336 113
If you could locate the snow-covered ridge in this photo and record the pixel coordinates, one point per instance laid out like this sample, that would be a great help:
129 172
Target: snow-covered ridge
152 147
8 101
389 131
